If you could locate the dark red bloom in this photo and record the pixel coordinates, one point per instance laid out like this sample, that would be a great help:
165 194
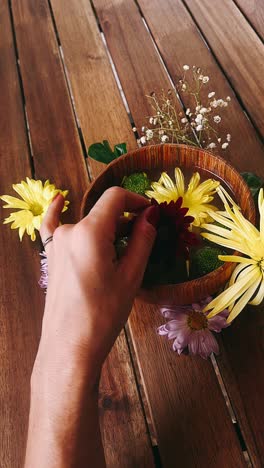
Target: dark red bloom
173 229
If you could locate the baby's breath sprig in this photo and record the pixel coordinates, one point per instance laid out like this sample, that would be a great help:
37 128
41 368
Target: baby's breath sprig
198 125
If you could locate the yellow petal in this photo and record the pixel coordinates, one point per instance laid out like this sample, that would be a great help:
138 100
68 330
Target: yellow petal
242 302
232 293
237 259
179 181
194 182
260 294
14 202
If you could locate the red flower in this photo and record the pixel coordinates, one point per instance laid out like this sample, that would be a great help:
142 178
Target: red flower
173 228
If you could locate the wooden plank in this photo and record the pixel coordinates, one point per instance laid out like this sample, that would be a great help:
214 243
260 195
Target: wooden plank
181 43
254 11
189 412
121 413
98 103
237 48
139 68
102 115
55 141
165 388
243 375
239 384
21 301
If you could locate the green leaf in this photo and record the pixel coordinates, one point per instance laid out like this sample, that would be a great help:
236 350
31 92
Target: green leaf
254 182
120 149
102 152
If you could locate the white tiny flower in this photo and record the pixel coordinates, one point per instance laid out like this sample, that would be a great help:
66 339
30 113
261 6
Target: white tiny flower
186 67
151 120
197 108
158 113
161 132
199 128
149 134
221 102
224 145
164 138
203 110
188 111
199 118
214 103
219 140
143 129
183 138
228 98
184 87
200 77
211 145
217 119
143 140
193 124
210 95
205 79
134 129
170 123
155 121
184 120
225 104
228 137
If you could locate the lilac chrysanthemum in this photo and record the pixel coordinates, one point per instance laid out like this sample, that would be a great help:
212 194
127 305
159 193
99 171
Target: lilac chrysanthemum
191 330
43 281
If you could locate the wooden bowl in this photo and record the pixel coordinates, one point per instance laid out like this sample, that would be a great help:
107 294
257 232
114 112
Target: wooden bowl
165 158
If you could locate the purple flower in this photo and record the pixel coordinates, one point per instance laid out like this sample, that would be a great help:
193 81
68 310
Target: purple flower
43 281
190 328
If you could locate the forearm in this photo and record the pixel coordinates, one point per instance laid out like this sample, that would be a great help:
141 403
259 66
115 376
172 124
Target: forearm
63 423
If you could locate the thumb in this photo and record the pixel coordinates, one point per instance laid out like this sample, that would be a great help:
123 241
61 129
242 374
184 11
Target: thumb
52 218
134 261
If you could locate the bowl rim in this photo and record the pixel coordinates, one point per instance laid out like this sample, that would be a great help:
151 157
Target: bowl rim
252 210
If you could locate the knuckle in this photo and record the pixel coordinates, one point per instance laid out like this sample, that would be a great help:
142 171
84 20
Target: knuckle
114 191
60 232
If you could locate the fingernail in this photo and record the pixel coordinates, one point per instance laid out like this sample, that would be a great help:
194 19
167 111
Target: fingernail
56 196
153 215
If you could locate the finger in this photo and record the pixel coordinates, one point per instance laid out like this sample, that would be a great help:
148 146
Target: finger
51 219
134 262
112 204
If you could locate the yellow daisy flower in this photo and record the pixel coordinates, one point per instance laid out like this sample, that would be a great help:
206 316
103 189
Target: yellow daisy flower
197 197
246 284
34 202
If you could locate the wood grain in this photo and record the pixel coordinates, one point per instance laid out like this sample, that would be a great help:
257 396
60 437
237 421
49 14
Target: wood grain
237 48
254 12
55 141
102 115
181 43
98 103
21 301
120 413
108 12
138 65
165 157
189 412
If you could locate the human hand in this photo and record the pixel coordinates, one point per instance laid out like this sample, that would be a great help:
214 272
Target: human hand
89 297
90 293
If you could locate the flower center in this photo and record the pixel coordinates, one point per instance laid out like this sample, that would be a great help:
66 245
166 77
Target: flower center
36 209
197 320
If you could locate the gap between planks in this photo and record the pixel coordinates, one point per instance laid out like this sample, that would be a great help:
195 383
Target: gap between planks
139 386
214 364
237 95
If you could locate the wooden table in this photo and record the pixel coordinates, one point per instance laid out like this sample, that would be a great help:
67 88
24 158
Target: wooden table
59 95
